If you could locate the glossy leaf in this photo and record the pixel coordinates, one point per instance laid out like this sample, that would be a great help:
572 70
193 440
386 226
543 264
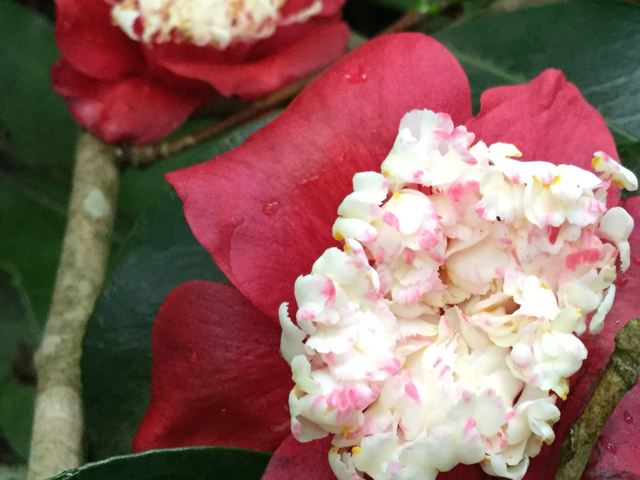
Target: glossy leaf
16 415
17 323
13 472
32 216
198 463
18 337
37 143
37 125
594 42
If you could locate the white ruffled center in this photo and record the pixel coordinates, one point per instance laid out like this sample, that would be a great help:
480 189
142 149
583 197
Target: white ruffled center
204 22
444 330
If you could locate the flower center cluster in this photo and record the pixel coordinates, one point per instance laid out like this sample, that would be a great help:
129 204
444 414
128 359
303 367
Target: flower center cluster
444 329
203 22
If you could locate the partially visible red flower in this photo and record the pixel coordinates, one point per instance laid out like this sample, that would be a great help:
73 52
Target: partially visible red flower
265 211
141 85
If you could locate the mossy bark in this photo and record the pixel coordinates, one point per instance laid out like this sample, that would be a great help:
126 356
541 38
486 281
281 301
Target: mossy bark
56 442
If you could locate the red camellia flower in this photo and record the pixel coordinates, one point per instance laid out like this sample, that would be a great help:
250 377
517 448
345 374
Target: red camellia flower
264 211
134 70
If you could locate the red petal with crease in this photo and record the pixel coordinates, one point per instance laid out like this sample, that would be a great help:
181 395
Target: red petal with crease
276 196
322 43
301 461
90 43
616 456
217 376
133 110
626 306
547 119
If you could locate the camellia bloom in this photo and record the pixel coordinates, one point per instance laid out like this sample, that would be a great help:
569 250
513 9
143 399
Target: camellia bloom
134 70
466 338
434 336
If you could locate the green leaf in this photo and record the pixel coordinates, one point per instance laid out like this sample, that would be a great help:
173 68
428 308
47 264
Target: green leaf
38 127
33 213
197 463
13 472
37 144
16 415
595 43
18 336
17 323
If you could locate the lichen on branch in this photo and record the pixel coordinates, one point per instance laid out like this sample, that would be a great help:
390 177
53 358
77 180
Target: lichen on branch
56 442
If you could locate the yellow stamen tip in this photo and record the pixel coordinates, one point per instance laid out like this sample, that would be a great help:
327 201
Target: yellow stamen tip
545 287
578 310
345 430
385 173
396 195
338 236
334 450
356 450
595 161
556 180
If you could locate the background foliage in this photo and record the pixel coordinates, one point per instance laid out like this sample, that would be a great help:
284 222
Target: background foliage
593 41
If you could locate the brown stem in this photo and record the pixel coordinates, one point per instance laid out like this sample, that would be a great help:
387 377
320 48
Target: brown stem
148 154
56 442
406 23
620 376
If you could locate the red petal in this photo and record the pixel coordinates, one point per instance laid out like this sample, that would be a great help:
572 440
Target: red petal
547 119
465 472
329 7
217 378
90 43
626 306
323 43
132 110
301 461
617 453
265 210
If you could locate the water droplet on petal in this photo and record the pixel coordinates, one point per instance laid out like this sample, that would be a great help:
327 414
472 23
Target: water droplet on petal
358 75
608 446
621 281
194 358
627 417
270 208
